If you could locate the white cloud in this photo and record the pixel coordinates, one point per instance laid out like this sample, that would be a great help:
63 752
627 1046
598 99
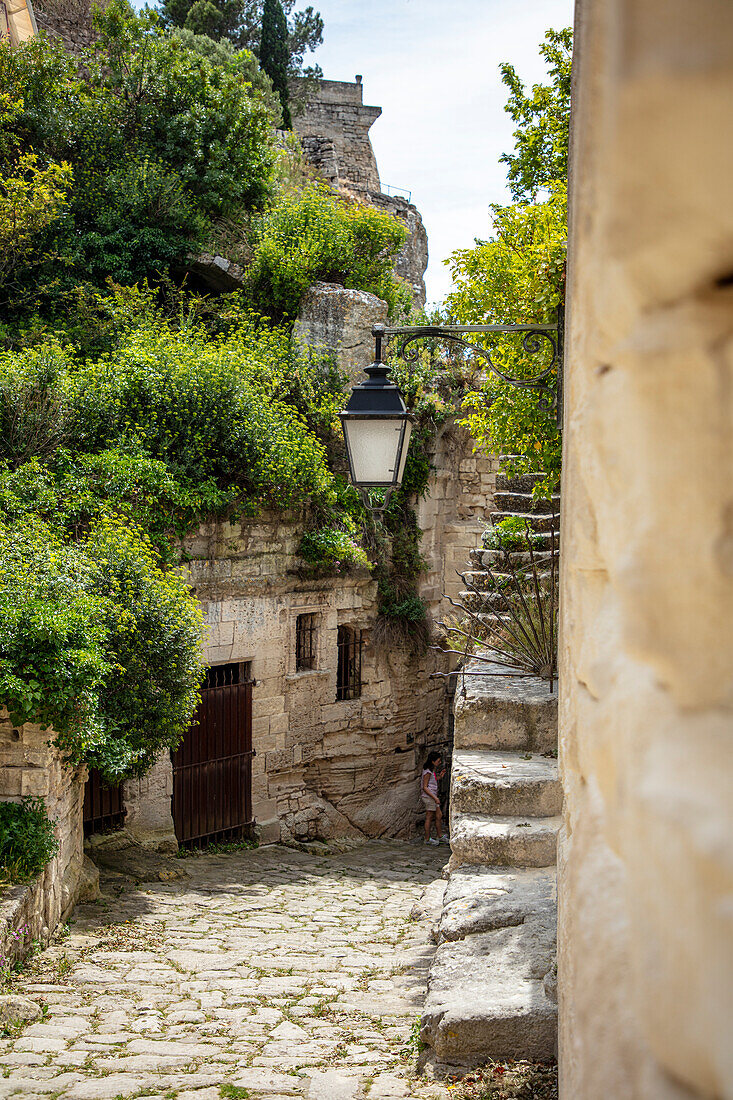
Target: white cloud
433 68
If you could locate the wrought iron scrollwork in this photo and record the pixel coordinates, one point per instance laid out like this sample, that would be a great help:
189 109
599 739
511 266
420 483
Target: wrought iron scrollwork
536 340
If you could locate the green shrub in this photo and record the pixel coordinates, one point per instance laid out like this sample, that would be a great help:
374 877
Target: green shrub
333 547
161 141
98 642
312 235
511 534
27 839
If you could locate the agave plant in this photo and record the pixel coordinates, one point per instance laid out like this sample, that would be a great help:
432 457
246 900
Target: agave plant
512 622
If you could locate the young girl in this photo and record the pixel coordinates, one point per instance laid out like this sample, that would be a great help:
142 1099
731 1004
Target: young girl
432 772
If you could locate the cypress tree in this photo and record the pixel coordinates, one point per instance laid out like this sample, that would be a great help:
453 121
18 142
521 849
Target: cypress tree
274 53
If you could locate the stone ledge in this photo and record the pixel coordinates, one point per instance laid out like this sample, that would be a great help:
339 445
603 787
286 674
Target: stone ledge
505 712
510 841
503 783
486 997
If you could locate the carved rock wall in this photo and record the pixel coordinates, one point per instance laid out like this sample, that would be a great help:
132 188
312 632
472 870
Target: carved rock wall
645 862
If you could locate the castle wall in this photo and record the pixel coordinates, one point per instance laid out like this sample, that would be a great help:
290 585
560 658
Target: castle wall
336 112
334 133
646 695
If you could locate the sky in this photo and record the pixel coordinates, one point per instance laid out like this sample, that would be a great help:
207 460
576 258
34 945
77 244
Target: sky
433 68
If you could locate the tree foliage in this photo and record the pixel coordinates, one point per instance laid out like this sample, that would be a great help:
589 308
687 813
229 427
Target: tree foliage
540 156
160 141
241 23
274 53
98 642
518 274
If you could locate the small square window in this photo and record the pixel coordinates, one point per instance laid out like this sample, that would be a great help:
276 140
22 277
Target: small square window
305 643
348 668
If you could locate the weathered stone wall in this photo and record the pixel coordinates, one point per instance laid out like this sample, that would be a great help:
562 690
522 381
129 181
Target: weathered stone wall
69 20
646 688
29 765
336 111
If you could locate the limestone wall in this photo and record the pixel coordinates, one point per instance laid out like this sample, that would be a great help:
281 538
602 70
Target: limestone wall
646 696
29 765
325 768
336 111
69 20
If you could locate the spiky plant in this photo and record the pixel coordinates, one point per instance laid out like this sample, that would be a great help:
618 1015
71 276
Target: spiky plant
513 622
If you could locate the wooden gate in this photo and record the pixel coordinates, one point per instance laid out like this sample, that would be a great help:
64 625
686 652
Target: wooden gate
103 805
212 767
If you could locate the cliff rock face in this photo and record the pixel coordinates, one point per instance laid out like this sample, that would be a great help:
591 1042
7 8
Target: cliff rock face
334 317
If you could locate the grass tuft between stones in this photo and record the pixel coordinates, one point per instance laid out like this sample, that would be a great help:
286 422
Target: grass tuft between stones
509 1081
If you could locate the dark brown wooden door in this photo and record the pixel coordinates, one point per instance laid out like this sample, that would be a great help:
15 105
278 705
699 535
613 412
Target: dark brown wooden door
212 767
103 805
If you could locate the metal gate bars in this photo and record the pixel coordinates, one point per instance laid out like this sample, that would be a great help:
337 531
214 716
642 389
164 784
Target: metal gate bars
212 767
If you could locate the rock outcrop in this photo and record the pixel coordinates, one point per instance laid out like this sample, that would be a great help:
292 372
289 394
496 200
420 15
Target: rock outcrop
333 317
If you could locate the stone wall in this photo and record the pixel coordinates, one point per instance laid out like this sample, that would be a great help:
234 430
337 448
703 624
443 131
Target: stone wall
646 688
29 765
336 112
324 768
69 20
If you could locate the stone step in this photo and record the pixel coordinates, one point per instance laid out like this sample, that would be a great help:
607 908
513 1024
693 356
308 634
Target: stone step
481 898
491 990
536 522
504 784
498 599
522 483
511 841
525 502
497 559
500 712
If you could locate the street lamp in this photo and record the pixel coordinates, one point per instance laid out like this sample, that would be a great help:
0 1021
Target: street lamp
377 429
376 423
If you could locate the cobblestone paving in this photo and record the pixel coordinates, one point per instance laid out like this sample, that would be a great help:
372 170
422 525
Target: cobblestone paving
269 973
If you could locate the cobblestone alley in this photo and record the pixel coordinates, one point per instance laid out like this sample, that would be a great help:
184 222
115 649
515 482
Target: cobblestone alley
270 973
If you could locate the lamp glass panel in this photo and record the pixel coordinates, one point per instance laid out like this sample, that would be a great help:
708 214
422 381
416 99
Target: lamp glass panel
405 448
373 448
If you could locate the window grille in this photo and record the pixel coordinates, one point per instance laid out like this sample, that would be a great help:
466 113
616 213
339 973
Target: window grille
305 642
218 676
348 669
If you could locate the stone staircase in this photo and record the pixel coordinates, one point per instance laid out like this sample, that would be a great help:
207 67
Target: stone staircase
491 986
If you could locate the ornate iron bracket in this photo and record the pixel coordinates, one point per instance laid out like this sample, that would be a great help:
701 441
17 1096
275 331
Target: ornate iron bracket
535 339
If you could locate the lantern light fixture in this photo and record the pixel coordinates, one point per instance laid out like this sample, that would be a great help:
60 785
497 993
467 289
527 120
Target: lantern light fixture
377 429
376 423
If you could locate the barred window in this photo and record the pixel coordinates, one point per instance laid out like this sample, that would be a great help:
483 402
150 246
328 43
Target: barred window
226 675
348 669
305 642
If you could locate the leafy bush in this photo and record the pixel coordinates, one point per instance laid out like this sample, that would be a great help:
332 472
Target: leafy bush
516 274
511 534
314 234
333 547
169 418
206 409
160 141
97 641
27 839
